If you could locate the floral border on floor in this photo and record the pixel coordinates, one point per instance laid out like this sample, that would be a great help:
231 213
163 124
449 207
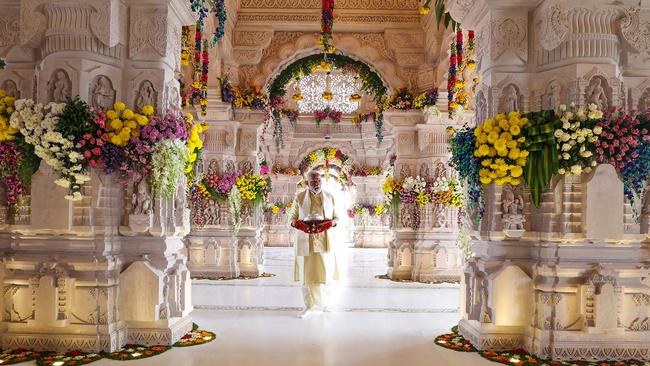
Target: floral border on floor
456 342
241 277
128 353
387 277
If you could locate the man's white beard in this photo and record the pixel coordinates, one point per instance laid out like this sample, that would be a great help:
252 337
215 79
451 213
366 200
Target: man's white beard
315 190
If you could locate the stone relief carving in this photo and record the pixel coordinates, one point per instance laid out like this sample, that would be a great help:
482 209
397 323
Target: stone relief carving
148 29
59 87
554 27
480 108
10 87
405 171
102 92
510 99
512 212
9 30
172 95
440 171
141 199
245 166
212 213
596 93
636 32
230 166
553 96
509 34
644 100
146 94
424 171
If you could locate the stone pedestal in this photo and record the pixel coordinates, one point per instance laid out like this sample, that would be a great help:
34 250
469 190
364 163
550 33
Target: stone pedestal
558 294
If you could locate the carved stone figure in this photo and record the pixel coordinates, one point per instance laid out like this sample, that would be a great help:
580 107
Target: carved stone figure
245 166
405 171
146 95
485 311
141 200
644 101
102 92
212 213
596 94
553 98
510 101
9 86
230 166
440 171
424 171
513 209
59 87
481 108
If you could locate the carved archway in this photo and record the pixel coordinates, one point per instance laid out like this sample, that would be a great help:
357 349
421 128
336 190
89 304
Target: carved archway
369 51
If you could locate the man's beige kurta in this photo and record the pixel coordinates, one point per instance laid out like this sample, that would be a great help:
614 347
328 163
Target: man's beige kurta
317 265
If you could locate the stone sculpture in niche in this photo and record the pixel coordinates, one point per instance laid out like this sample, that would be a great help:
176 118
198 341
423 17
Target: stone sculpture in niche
424 171
146 95
141 218
230 166
9 86
512 214
644 101
59 87
102 92
405 171
486 314
553 97
595 93
245 166
481 108
212 213
510 101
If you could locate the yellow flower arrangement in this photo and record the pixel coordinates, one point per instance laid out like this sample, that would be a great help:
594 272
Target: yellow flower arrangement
275 209
313 156
328 95
297 97
331 153
194 143
422 199
425 10
123 122
251 186
380 209
7 132
355 98
500 152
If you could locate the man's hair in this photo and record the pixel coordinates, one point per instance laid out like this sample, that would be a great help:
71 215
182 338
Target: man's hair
312 173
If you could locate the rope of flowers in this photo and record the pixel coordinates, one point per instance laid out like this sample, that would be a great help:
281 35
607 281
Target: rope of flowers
334 115
327 25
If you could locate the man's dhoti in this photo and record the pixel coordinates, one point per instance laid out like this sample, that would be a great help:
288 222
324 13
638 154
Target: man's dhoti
318 269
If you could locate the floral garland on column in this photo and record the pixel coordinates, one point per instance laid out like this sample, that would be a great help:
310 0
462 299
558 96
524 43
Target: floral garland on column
327 25
459 59
199 87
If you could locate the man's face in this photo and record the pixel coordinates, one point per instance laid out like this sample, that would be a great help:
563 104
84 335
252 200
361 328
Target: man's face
313 181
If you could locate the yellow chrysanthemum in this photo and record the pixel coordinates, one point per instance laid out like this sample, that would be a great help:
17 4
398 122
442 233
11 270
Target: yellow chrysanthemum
515 130
119 106
486 180
500 144
492 137
516 171
483 150
147 110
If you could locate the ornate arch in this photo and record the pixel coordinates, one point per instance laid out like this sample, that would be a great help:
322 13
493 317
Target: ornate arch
369 50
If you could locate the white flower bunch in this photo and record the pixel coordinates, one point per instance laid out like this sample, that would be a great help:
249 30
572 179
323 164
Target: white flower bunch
576 138
39 123
441 184
168 162
415 184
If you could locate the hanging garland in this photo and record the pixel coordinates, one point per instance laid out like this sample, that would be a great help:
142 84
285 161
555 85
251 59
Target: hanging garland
451 82
199 87
327 25
371 83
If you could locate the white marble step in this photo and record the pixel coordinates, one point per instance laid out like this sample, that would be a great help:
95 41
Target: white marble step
358 290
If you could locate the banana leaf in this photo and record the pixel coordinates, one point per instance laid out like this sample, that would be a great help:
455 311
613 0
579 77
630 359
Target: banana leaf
542 162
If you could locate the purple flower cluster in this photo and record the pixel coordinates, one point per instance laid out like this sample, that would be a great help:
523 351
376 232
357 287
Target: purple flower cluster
225 183
407 196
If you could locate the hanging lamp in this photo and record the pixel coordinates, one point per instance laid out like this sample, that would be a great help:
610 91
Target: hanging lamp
327 94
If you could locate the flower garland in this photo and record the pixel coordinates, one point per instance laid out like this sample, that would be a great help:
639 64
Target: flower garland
327 25
199 87
280 170
542 163
426 99
194 145
366 171
323 114
364 211
279 208
371 82
451 81
185 45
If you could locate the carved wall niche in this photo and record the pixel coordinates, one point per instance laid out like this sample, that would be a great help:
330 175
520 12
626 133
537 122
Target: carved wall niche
554 94
146 94
480 108
511 99
644 100
59 87
598 92
101 92
10 87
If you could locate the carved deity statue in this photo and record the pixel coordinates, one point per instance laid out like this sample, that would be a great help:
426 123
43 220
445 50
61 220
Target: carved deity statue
644 101
513 212
59 87
424 171
510 99
595 93
102 94
405 171
146 95
212 213
552 99
141 199
10 87
485 312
